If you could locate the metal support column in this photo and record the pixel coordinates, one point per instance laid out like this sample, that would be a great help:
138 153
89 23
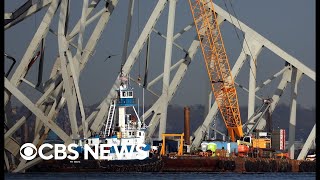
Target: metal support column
311 138
167 65
127 35
67 81
173 86
254 49
295 78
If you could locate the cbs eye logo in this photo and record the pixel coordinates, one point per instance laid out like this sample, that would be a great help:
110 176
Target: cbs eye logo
28 151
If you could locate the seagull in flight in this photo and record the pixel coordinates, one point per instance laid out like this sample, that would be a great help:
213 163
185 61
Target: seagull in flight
111 56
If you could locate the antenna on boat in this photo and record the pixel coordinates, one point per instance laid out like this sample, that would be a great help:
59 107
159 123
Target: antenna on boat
138 107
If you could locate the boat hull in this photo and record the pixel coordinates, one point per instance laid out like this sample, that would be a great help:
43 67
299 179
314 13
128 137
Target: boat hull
146 165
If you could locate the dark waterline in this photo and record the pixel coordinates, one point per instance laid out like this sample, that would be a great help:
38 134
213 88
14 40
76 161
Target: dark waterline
179 175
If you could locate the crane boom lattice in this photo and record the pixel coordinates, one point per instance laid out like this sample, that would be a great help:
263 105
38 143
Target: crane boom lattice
217 64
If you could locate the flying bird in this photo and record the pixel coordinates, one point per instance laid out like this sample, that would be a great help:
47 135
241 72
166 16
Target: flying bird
111 56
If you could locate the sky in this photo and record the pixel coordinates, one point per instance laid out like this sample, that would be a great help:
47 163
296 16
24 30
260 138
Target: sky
290 24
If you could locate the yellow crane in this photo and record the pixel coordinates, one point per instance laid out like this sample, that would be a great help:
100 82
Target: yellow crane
217 64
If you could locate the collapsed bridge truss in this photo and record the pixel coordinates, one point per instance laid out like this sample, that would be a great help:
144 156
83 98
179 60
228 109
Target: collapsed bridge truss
62 88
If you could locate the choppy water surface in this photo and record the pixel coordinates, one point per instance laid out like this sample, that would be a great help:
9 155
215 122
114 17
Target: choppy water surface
200 176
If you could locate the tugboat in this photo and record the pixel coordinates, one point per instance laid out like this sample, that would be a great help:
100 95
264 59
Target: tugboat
123 132
123 138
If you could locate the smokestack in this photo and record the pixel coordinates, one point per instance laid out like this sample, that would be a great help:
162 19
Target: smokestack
187 125
269 127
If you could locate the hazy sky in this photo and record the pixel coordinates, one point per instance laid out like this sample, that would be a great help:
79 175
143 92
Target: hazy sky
290 24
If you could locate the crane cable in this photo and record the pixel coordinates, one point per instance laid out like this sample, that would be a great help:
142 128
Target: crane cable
242 48
255 63
239 36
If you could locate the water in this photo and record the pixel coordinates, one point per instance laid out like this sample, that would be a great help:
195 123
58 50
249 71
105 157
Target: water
200 176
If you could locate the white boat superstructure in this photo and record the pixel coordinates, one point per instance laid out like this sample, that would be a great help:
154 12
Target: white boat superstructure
123 132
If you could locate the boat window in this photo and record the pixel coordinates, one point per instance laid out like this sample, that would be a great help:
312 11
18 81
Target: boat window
246 139
129 133
123 94
139 133
133 133
130 93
